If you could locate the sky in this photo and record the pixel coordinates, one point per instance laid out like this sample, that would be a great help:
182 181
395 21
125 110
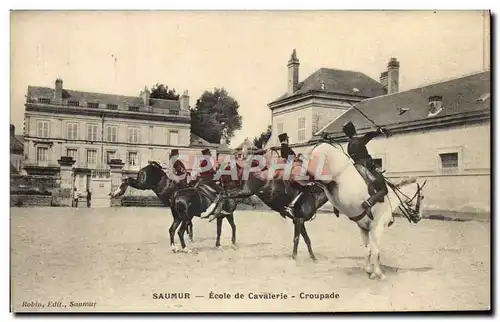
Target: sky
245 52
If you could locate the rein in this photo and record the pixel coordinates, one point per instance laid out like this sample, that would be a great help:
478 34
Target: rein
405 205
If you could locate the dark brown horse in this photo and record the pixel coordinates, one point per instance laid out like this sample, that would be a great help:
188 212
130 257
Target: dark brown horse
277 194
184 201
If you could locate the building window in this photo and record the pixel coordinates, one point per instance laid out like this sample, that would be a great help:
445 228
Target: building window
449 161
301 129
132 158
173 112
133 135
279 130
133 108
173 138
111 133
44 100
112 106
74 103
92 132
42 154
42 129
72 131
110 155
93 105
91 157
72 153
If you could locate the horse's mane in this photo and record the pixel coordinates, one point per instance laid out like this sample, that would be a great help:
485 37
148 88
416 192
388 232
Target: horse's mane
405 182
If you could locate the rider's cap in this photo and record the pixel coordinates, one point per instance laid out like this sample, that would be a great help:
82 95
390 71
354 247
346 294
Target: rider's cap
205 151
174 152
282 137
348 128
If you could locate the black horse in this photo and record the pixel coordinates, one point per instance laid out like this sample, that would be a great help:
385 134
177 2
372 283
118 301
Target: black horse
184 201
277 194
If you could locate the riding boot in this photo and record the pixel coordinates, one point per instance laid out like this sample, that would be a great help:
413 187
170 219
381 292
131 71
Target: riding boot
289 208
368 204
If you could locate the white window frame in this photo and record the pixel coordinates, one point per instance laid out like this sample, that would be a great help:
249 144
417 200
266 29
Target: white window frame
136 163
439 167
43 128
279 130
170 137
72 131
87 157
91 134
46 158
109 133
108 153
133 135
301 130
72 149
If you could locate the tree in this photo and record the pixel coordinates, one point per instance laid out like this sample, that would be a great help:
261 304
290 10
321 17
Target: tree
214 111
161 91
261 140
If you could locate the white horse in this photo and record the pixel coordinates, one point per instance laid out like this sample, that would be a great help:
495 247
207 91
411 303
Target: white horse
350 190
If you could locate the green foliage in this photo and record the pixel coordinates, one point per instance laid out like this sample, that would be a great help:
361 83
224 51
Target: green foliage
261 140
214 111
161 91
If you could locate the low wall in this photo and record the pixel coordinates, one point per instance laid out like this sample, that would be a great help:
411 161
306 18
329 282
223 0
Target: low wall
31 201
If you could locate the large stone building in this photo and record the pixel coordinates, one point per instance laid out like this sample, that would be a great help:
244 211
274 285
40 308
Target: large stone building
94 128
311 104
441 132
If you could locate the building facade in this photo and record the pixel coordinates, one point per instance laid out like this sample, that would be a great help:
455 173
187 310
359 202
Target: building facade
95 128
441 132
310 105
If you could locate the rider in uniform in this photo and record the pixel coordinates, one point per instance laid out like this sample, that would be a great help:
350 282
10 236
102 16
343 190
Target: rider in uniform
207 177
356 149
179 169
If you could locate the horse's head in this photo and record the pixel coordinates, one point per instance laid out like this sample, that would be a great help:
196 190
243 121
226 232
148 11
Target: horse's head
411 196
151 175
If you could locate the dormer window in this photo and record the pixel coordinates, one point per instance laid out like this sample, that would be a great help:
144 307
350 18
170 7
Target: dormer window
435 105
133 108
44 100
74 103
112 106
93 105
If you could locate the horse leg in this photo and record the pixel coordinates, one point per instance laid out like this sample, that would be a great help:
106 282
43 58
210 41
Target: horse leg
374 236
219 232
181 232
230 219
190 230
172 230
364 236
307 240
296 236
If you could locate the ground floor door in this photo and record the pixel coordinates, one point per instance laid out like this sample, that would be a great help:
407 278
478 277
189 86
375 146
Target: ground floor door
100 186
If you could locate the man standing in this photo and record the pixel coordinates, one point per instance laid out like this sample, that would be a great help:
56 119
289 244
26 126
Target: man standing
76 195
363 161
89 198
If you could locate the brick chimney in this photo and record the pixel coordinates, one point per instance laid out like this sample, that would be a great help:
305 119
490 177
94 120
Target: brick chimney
383 80
393 76
184 101
58 90
293 73
145 95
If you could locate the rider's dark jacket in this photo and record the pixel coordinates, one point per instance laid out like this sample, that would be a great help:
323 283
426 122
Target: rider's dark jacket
356 149
179 167
286 151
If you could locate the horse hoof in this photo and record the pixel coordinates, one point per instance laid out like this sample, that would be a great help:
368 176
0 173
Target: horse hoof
368 269
175 249
375 276
219 247
187 250
294 257
314 258
234 245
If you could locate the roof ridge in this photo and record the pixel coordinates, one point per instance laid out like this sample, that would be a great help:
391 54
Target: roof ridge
98 93
446 80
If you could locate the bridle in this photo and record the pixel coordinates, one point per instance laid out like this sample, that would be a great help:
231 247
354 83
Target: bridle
406 205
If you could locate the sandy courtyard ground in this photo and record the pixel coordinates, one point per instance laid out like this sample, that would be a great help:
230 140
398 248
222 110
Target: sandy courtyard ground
119 257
